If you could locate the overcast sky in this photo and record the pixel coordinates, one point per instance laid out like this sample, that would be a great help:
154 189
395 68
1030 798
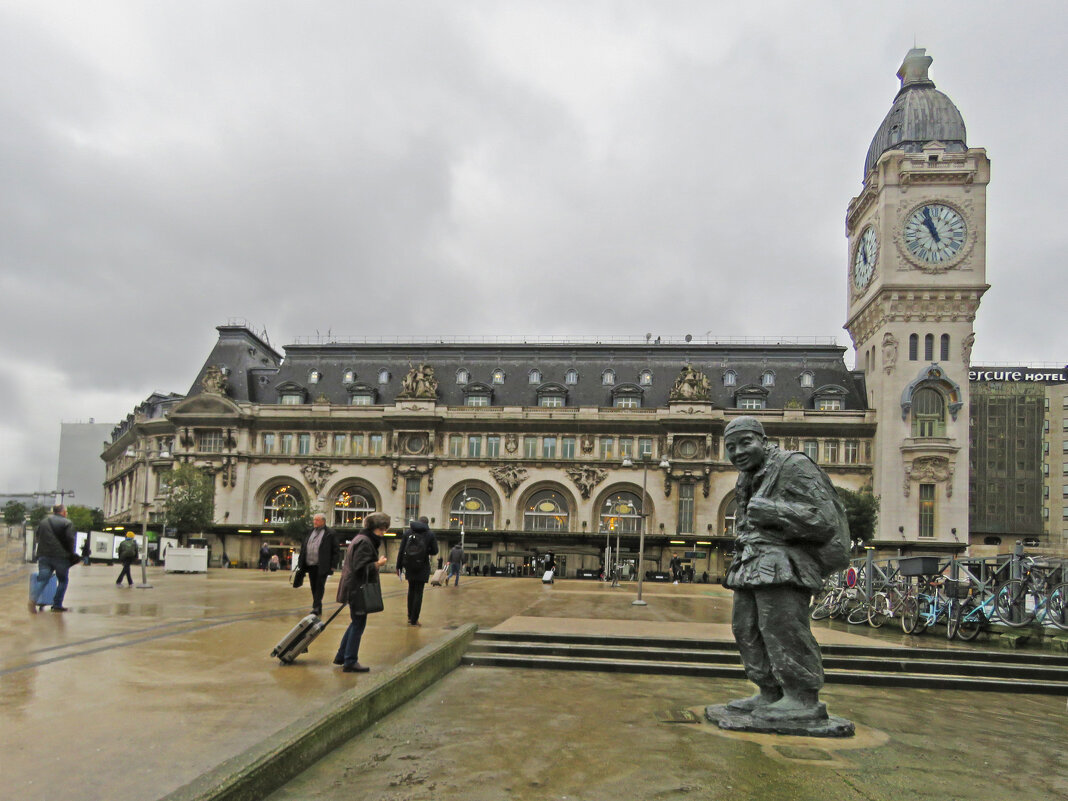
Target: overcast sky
396 169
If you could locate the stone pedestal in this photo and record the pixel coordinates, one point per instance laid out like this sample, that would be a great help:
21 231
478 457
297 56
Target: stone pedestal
825 726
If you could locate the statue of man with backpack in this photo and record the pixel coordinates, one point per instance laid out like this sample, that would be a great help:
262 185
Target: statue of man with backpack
416 549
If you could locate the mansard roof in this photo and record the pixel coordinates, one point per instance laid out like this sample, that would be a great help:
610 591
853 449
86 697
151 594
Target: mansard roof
255 377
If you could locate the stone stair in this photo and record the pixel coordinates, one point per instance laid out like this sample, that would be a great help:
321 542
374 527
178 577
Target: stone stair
871 665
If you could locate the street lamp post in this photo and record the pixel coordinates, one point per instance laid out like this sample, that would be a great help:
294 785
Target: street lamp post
644 456
144 453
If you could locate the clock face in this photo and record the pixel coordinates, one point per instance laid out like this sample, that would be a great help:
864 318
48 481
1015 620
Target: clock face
864 260
935 233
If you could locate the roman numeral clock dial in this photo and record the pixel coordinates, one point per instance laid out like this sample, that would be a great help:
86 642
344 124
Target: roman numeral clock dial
864 259
934 233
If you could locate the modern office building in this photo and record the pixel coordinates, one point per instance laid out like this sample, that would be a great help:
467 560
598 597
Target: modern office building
81 474
564 447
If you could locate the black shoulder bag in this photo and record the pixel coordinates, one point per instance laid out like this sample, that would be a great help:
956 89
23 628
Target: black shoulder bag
366 597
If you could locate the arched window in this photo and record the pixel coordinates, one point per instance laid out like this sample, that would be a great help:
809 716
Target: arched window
928 348
622 513
571 377
383 376
730 378
645 378
348 376
498 376
914 347
945 348
462 376
281 504
608 378
474 509
546 510
314 376
928 413
351 506
730 518
807 379
767 379
534 377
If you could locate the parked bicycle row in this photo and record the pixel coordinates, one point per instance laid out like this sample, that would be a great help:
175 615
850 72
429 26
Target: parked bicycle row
967 595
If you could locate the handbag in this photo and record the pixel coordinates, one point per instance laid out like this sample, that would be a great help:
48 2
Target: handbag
296 578
366 598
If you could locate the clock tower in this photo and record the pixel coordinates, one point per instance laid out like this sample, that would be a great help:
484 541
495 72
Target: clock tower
916 274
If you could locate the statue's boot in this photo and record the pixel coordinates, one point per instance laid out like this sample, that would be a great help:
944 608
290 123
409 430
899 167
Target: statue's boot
794 705
766 696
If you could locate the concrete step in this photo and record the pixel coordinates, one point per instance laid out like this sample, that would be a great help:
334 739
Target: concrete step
862 665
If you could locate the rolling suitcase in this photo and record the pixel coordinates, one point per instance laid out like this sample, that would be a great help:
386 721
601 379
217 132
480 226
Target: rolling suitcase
439 577
302 635
548 577
48 594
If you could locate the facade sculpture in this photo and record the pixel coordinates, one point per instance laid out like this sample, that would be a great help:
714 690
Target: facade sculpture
691 385
419 383
214 380
791 533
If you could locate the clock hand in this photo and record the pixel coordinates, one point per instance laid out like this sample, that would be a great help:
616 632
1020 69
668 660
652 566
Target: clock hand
930 224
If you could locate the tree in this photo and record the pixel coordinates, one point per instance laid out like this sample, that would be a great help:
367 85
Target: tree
14 512
81 517
190 506
862 512
298 521
38 513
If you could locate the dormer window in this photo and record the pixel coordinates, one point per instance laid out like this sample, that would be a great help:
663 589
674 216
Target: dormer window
462 376
534 377
498 376
553 395
383 376
348 376
314 376
829 398
571 377
751 396
767 379
291 398
627 396
477 394
608 378
730 378
645 378
807 379
362 395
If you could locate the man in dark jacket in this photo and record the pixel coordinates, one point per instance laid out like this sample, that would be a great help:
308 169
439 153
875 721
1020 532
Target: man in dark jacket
416 549
456 563
56 541
318 554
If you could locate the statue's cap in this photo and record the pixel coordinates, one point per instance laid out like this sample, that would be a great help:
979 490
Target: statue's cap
743 423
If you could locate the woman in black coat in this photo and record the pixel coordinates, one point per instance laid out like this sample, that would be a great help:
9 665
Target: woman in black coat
361 565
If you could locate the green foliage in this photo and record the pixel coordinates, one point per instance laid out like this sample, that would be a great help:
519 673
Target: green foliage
298 522
98 520
862 511
38 513
190 507
81 517
14 512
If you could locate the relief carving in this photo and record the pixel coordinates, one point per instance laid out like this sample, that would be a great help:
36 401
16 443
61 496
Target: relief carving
889 352
214 381
511 443
509 477
926 469
586 478
316 474
587 443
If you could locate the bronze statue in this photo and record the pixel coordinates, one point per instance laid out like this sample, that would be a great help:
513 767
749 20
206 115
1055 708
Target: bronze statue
791 533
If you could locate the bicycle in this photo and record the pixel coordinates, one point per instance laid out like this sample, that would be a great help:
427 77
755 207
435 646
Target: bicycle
886 604
927 608
972 617
1023 601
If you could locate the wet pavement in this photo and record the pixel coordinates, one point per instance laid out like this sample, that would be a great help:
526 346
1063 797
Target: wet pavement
135 692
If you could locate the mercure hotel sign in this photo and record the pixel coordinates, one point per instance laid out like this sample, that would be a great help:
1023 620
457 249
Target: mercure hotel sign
1044 376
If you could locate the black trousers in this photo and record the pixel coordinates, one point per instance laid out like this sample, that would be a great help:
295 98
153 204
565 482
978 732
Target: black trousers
125 572
316 575
415 600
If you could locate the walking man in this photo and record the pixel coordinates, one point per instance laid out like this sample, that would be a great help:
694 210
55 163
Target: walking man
127 555
416 549
456 561
676 567
318 554
56 540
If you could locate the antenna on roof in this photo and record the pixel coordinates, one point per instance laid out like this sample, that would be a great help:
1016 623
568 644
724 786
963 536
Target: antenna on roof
689 337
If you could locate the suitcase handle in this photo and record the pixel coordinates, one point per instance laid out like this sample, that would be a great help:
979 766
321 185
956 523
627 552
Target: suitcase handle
337 611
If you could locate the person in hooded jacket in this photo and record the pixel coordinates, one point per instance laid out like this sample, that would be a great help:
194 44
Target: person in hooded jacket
360 565
416 549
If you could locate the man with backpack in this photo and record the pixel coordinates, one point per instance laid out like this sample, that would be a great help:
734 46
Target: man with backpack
127 555
416 549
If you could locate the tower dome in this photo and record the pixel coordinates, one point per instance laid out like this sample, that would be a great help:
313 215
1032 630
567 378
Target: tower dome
920 114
